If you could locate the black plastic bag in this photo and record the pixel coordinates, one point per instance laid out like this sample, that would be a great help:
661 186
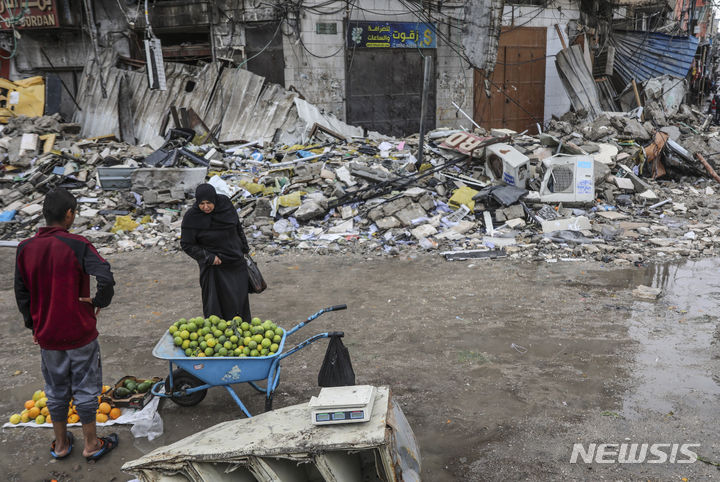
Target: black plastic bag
336 370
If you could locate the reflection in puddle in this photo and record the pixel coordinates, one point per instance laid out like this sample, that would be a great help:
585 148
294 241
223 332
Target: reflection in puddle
675 336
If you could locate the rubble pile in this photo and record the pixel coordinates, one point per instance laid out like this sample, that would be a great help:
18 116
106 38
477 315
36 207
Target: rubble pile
618 189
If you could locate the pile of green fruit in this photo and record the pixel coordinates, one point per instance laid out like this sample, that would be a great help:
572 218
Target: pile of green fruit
203 337
131 387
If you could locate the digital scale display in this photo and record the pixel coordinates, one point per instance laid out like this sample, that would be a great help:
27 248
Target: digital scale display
338 416
339 405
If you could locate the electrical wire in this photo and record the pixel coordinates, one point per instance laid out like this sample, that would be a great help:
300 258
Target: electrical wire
264 48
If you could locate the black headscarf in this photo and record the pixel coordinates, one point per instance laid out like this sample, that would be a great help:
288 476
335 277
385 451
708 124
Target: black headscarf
222 217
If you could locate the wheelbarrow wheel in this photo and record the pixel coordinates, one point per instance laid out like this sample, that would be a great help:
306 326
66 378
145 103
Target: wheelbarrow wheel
182 380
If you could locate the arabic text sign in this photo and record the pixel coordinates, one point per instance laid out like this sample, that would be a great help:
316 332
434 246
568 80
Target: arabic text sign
28 14
396 35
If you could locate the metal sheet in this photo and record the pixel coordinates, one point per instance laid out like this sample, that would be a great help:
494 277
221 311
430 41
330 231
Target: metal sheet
644 55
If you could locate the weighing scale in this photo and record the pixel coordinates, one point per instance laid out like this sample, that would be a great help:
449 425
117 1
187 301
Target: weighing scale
342 405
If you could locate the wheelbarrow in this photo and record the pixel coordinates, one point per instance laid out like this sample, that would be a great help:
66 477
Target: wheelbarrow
187 385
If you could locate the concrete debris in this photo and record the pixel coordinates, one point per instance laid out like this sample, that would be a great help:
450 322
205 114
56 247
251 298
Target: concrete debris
580 190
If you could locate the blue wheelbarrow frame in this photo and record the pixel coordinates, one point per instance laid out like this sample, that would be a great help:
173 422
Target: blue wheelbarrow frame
197 374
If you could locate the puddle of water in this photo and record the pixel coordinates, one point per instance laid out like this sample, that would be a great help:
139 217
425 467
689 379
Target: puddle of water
673 367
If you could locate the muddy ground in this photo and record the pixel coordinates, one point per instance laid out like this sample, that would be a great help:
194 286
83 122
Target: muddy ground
500 367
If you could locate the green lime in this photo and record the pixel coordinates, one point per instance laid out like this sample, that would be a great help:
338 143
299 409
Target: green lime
266 343
277 339
209 351
258 338
203 345
191 327
253 344
227 345
245 326
234 339
246 350
188 352
172 329
256 321
264 352
193 344
185 344
222 325
223 351
211 342
178 341
254 353
278 331
274 347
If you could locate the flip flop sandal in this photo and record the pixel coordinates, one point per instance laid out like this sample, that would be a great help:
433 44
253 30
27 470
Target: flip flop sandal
107 444
71 440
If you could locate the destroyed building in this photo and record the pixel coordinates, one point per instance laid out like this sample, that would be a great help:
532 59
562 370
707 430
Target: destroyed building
554 131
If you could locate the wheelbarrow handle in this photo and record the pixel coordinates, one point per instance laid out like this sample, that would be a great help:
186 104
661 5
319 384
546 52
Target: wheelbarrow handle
302 345
311 318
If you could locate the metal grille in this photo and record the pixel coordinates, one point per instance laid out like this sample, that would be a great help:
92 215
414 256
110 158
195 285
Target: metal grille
562 178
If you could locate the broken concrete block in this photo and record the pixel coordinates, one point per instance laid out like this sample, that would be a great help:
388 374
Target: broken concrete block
423 231
579 223
635 129
343 173
624 183
407 215
612 215
515 223
388 223
514 211
31 210
344 227
309 210
648 195
394 206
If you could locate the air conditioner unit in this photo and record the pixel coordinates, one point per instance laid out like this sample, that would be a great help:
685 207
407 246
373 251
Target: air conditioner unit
568 179
505 163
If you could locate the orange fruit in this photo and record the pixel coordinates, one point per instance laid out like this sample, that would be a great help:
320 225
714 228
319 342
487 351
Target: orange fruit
101 418
48 419
115 413
104 408
105 388
45 411
74 418
29 404
34 412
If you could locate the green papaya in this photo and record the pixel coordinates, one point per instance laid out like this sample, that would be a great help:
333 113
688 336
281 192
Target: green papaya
128 382
132 386
122 392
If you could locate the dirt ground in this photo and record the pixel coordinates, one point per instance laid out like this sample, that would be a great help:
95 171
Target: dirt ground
500 367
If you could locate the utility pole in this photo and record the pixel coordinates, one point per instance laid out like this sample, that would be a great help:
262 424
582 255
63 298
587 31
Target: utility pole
423 107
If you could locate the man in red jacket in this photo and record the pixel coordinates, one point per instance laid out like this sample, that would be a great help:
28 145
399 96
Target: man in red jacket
52 289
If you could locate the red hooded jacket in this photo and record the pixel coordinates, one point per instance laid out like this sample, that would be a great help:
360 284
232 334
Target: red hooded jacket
52 273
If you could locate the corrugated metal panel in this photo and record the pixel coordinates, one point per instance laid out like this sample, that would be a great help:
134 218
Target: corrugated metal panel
246 109
644 55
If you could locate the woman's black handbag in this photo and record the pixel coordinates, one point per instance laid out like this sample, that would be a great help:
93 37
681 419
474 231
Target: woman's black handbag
256 282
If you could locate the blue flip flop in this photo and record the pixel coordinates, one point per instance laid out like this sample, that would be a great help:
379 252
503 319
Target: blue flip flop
106 445
71 439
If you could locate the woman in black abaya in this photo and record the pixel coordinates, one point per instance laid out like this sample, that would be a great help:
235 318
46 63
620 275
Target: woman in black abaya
213 236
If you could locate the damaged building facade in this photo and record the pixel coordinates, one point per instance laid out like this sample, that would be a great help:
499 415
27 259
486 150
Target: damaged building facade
363 62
